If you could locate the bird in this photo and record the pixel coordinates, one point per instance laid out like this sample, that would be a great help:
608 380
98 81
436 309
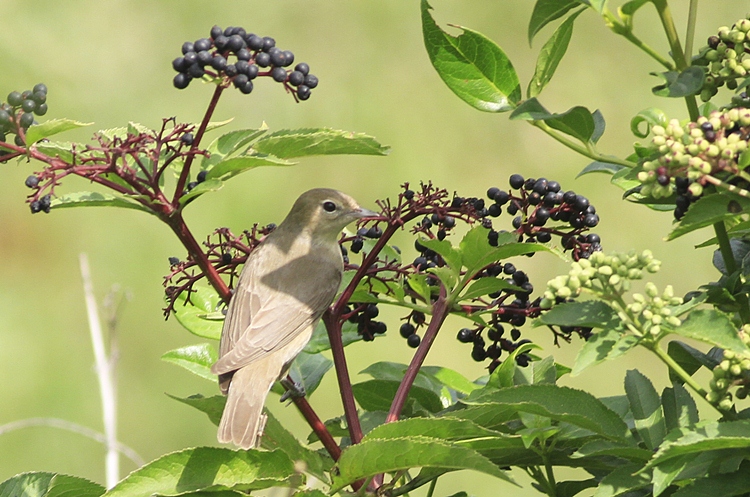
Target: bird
286 284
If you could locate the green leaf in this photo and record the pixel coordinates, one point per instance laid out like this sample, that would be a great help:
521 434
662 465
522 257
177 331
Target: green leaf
232 167
678 85
599 125
393 371
292 143
577 122
530 110
61 150
376 456
504 375
629 8
709 436
571 488
472 66
319 341
229 144
572 406
43 484
199 315
477 252
308 370
212 406
726 485
96 199
589 313
537 373
679 408
444 248
195 358
204 468
377 395
450 378
418 283
601 167
622 481
446 428
650 117
546 11
209 185
708 210
550 55
712 327
606 345
598 448
485 286
51 127
645 405
689 359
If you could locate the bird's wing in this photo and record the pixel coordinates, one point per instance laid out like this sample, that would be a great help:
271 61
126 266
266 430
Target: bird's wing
274 308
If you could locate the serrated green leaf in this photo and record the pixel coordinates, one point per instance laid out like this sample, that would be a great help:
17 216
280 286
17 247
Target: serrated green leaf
293 143
96 199
485 286
689 359
308 370
275 436
550 55
598 448
546 11
445 428
450 378
537 373
45 484
444 248
603 346
622 481
708 210
196 316
645 405
472 66
504 375
679 407
589 313
212 406
572 406
726 485
418 283
233 166
229 144
51 127
377 395
319 341
204 468
195 358
712 327
678 85
61 150
376 456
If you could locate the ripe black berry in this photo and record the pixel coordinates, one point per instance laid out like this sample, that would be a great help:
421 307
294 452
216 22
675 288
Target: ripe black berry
509 268
15 98
187 139
216 31
519 277
278 74
226 258
478 354
581 203
219 63
356 246
303 92
231 70
540 186
413 341
196 71
303 68
374 232
40 87
502 197
32 181
494 210
201 176
465 335
569 197
541 216
268 43
311 81
544 237
255 42
492 192
173 261
263 59
371 311
45 203
202 44
35 207
288 58
296 78
406 330
235 43
449 222
244 54
517 221
591 220
26 120
240 80
379 327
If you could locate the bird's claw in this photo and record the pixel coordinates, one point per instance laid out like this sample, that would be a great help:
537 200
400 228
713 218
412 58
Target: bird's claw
293 389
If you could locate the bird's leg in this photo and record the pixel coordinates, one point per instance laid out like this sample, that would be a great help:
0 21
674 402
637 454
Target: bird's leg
293 389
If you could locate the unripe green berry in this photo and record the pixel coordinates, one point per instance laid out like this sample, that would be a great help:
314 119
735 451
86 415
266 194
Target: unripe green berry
695 189
725 365
655 330
729 354
735 370
725 404
713 396
721 384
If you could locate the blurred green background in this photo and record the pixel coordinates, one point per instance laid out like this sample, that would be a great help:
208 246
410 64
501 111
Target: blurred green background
109 63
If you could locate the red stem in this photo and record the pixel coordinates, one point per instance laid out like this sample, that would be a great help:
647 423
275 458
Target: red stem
317 425
439 313
185 174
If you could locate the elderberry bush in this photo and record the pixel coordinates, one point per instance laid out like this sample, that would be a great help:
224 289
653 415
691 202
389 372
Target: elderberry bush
233 55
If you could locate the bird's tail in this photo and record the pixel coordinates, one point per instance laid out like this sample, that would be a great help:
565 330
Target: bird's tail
243 420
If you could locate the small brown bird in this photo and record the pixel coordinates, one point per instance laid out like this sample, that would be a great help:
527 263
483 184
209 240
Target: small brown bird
287 283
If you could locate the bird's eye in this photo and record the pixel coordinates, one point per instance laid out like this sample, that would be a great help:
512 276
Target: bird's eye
329 206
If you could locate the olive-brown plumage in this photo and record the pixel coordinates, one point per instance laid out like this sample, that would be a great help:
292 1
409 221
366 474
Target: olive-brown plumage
287 283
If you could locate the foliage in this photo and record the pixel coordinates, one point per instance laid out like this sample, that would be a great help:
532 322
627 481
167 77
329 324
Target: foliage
409 425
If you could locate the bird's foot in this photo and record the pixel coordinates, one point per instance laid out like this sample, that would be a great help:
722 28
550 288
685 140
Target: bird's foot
293 389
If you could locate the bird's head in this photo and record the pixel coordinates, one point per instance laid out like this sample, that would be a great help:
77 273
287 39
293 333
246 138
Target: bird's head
324 212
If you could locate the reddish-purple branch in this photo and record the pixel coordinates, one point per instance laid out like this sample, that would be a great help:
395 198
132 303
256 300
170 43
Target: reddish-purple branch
317 426
440 310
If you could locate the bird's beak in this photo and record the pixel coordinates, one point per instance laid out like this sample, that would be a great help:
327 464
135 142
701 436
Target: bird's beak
365 213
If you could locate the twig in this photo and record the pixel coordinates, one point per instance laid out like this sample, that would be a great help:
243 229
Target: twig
104 374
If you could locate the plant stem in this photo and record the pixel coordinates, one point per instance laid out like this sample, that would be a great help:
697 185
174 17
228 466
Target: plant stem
440 311
551 485
333 327
317 425
185 174
690 34
628 35
576 147
177 223
677 369
431 490
665 15
104 373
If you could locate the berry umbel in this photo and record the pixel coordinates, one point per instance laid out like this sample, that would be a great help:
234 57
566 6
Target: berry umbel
232 56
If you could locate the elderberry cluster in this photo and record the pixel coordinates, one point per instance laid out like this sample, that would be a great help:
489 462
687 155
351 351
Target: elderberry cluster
409 328
685 156
18 112
725 55
363 315
235 55
498 344
537 204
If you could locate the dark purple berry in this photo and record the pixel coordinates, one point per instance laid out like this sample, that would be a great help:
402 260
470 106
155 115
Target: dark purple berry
186 47
202 44
32 181
255 42
303 68
492 192
268 43
296 78
413 341
357 245
303 92
263 59
278 74
406 330
311 81
216 31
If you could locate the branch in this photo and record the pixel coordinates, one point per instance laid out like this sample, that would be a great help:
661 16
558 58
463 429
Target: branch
316 424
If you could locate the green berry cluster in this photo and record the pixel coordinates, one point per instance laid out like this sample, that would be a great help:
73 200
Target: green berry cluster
651 313
18 112
600 273
725 55
686 156
733 370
